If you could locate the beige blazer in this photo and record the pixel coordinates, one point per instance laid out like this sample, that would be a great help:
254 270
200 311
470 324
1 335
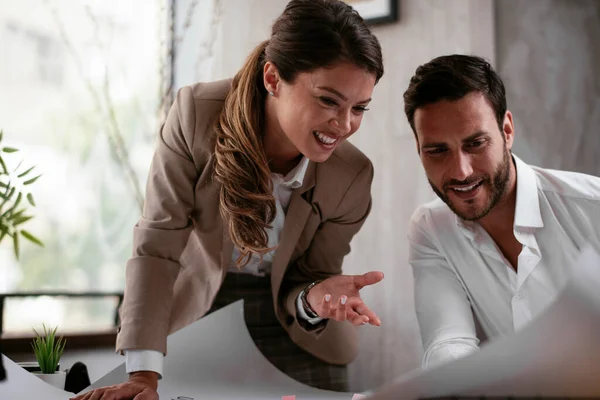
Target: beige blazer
181 248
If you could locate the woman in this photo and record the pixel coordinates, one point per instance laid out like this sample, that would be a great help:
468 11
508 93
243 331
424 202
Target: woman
254 193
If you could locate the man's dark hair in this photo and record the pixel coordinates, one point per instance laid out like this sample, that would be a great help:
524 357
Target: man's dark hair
451 78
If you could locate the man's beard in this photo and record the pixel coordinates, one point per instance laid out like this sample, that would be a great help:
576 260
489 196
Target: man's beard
498 186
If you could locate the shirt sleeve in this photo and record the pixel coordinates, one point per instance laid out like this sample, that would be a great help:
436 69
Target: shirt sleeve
449 350
302 314
144 360
442 306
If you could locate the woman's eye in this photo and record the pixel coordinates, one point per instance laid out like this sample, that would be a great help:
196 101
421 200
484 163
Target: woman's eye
328 101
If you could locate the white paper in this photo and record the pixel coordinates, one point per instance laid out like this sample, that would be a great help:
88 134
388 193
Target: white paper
23 385
557 355
216 358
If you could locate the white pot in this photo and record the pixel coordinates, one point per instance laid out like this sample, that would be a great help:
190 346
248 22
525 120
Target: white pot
56 379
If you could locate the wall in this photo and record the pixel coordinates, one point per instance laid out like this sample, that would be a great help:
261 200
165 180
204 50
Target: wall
548 55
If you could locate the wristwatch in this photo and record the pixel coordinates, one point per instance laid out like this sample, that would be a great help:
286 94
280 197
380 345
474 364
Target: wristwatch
303 298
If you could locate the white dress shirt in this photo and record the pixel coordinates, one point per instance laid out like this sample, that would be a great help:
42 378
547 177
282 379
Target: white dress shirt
282 191
462 279
151 360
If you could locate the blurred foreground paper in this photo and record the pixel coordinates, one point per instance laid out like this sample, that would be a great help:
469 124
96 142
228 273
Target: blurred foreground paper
557 355
215 358
23 385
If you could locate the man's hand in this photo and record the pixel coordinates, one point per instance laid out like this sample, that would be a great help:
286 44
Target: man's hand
141 385
338 298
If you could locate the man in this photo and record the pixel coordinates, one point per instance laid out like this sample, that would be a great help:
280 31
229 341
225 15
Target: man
496 247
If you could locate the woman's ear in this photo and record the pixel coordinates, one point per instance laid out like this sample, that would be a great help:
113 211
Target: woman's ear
271 78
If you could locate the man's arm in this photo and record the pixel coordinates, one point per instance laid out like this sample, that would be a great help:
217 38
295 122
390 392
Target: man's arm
442 306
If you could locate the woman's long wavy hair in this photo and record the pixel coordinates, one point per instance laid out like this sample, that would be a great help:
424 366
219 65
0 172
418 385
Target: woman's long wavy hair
310 34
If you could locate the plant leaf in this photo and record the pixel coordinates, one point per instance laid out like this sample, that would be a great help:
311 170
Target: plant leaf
30 199
10 150
29 182
22 174
3 166
31 238
6 192
15 205
16 245
18 166
7 198
20 219
16 215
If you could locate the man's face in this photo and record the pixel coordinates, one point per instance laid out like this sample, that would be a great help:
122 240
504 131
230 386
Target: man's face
465 154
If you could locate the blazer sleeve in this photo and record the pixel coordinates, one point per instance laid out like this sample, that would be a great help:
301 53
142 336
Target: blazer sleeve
324 259
162 232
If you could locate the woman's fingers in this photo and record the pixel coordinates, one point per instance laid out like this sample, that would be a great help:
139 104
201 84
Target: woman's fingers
345 308
324 308
340 311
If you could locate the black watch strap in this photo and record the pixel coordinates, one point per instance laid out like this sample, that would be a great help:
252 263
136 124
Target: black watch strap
303 298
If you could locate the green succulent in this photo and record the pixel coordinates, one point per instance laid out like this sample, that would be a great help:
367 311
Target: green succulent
48 349
12 206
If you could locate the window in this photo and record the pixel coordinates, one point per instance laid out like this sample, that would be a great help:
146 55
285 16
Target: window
82 84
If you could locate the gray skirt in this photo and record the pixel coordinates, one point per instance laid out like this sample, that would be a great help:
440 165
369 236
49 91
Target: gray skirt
270 337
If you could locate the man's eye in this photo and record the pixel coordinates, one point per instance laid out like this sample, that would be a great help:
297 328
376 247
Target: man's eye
436 151
477 143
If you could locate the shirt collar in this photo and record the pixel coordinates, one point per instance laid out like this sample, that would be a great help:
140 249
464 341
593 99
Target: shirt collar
527 209
527 205
295 178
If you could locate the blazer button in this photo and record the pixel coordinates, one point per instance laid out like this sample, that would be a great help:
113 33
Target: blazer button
289 320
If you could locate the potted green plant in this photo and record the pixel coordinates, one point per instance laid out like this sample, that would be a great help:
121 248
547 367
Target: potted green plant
48 349
13 185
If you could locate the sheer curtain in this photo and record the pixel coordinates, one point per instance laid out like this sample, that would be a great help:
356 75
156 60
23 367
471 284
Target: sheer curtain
80 91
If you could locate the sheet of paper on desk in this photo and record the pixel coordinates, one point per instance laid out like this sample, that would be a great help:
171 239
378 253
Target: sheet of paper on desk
215 358
22 385
557 355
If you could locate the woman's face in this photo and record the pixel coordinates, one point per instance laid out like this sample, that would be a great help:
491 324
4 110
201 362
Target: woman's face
316 112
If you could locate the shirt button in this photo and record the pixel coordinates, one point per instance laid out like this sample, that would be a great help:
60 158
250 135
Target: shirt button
518 295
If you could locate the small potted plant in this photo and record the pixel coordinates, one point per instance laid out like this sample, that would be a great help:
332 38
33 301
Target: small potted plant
48 349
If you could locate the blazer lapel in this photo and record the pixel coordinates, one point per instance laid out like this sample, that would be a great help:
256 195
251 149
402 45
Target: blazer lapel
295 219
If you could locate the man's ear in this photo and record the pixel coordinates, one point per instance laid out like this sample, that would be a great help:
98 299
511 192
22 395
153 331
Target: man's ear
508 129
